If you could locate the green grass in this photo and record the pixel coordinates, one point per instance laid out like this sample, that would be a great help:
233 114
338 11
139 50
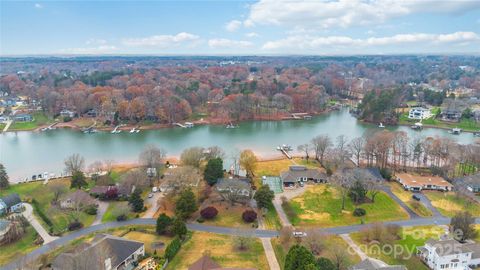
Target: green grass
449 204
411 238
44 196
271 219
321 205
406 197
21 247
465 124
110 214
39 119
222 250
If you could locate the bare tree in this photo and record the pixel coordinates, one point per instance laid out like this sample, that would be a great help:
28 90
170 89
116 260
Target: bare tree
339 256
134 178
192 156
96 167
152 156
57 188
315 241
234 192
321 144
305 149
356 148
74 163
109 164
341 149
214 152
180 178
343 183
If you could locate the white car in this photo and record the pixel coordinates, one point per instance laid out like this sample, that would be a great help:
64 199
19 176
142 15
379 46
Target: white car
150 195
154 189
299 234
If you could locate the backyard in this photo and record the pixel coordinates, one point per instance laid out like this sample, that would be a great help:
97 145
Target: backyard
449 203
116 208
411 238
321 205
406 197
221 249
39 119
22 246
275 167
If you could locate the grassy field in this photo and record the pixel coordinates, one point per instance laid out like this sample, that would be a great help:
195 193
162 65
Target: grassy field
229 216
23 246
412 237
39 118
321 205
110 214
406 197
222 250
330 241
449 204
465 124
43 195
149 237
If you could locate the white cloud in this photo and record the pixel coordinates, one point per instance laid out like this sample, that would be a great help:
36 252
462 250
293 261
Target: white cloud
233 26
102 49
38 5
217 43
307 42
94 41
346 13
252 35
163 41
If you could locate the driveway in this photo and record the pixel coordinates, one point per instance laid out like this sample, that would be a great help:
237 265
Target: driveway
426 201
407 209
102 208
28 214
153 205
277 203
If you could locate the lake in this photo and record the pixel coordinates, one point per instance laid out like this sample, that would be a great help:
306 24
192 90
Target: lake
28 153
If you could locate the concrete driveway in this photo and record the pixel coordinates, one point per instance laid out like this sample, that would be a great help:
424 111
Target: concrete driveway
152 205
28 214
426 201
277 203
102 208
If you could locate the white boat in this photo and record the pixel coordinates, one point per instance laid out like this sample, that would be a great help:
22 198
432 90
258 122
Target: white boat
381 125
230 125
189 124
456 131
417 126
134 130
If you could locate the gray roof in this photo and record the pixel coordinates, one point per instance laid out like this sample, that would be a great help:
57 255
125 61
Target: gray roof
92 256
295 172
225 183
369 264
11 199
447 247
4 224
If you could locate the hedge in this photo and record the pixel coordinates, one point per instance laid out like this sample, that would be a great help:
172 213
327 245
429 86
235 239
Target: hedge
173 248
41 213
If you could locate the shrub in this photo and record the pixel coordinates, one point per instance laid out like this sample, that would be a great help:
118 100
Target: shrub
67 119
111 194
91 210
209 212
172 249
359 212
163 224
200 220
386 173
249 216
42 215
75 225
122 217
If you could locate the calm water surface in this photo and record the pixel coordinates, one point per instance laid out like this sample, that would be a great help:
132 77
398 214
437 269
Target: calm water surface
27 153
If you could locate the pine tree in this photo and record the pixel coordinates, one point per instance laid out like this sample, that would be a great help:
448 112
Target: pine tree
213 171
4 184
136 201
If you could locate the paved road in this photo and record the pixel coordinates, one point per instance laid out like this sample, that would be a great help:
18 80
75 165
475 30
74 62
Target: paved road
28 214
392 195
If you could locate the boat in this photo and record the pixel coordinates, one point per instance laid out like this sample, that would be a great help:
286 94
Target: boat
231 125
455 131
476 133
134 130
285 147
188 124
115 131
381 125
417 126
90 130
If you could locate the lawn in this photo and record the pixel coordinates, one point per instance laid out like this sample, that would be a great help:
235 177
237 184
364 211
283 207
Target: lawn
222 250
330 241
229 216
23 246
275 167
406 197
412 237
449 204
111 213
321 205
39 119
43 195
148 237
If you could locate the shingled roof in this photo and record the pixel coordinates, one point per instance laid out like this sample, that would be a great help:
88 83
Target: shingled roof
11 199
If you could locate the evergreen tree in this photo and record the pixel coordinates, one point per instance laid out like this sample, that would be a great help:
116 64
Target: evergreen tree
213 171
4 184
78 180
163 224
264 196
136 201
325 264
186 204
358 192
298 258
179 228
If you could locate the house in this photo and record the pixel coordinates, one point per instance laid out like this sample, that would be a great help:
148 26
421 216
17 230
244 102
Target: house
297 173
419 113
23 117
78 198
240 186
10 203
67 113
373 264
207 263
474 187
418 182
92 113
105 252
449 254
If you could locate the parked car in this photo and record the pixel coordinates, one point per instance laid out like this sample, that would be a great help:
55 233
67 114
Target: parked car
150 195
415 197
299 234
154 189
302 184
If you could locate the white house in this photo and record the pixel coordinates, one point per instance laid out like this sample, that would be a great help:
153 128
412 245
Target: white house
419 113
450 254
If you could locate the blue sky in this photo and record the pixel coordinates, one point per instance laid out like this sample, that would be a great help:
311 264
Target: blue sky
263 27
